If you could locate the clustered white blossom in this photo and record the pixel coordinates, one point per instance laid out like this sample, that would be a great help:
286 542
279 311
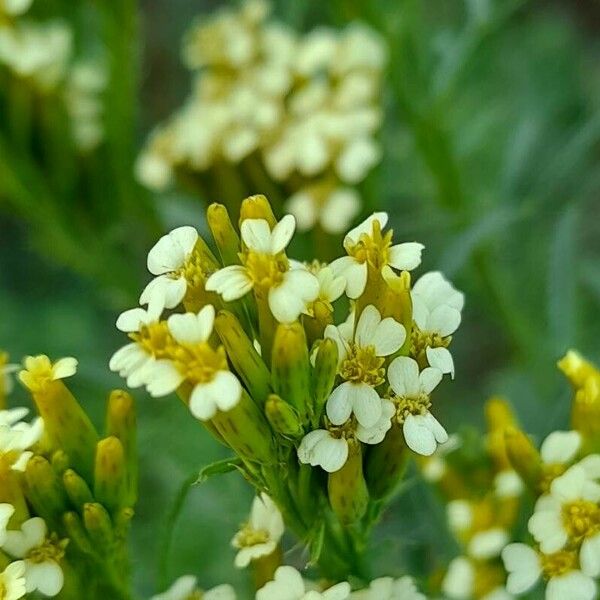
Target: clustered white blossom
565 525
42 54
307 106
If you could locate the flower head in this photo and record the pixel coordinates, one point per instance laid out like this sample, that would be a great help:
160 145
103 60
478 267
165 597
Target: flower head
186 588
388 588
288 584
261 534
12 581
39 371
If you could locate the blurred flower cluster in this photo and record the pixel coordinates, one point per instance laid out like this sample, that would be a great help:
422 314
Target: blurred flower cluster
66 494
251 345
296 115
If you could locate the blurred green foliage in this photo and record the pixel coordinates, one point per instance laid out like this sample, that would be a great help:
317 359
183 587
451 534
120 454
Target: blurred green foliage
491 145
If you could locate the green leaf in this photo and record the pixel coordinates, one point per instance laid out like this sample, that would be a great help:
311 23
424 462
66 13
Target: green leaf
218 468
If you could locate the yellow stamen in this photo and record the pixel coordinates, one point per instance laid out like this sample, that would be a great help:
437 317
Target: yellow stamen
406 405
52 549
248 536
559 563
372 248
421 340
266 270
581 519
362 365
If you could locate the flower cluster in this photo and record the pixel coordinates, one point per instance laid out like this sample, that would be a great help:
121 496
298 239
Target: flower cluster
252 344
300 111
66 495
565 478
41 57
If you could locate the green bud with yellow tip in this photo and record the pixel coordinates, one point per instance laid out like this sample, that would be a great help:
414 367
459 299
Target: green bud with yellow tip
76 532
283 417
577 369
243 355
110 477
585 415
77 489
499 417
99 527
290 367
257 207
323 377
44 489
386 464
224 233
348 493
245 429
60 461
121 423
524 457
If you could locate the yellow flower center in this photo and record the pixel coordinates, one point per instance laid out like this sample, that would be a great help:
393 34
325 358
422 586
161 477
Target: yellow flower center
198 363
488 577
421 340
410 405
373 248
559 563
52 549
266 270
362 365
248 536
581 519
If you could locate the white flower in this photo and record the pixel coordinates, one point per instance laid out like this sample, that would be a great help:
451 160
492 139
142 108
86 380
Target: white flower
220 389
17 439
6 512
388 588
560 447
136 363
437 310
330 451
39 370
289 585
571 509
186 586
525 567
12 581
459 580
361 357
12 416
261 535
166 259
365 245
334 212
266 267
421 429
508 484
42 569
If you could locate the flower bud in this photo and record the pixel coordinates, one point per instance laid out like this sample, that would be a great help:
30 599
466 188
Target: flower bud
386 463
224 234
121 423
110 483
577 369
77 489
499 417
99 528
257 207
77 533
585 414
523 456
44 490
290 367
348 494
323 377
246 430
243 355
283 417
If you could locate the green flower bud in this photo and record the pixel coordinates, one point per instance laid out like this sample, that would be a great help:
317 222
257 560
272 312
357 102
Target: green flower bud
290 367
224 234
323 377
524 457
283 417
99 528
243 355
44 490
77 489
121 423
110 479
348 494
77 533
257 207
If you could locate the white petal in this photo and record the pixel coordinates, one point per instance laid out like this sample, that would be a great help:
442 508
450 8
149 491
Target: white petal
460 515
589 556
366 404
331 454
47 577
65 367
163 378
367 326
419 437
355 274
131 320
366 227
403 375
189 328
164 291
488 544
407 256
303 206
574 586
570 484
334 333
308 444
591 465
443 320
436 428
291 297
441 359
376 434
181 588
256 234
231 282
223 393
388 337
171 250
560 447
547 528
339 404
429 379
339 210
459 580
282 234
523 566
